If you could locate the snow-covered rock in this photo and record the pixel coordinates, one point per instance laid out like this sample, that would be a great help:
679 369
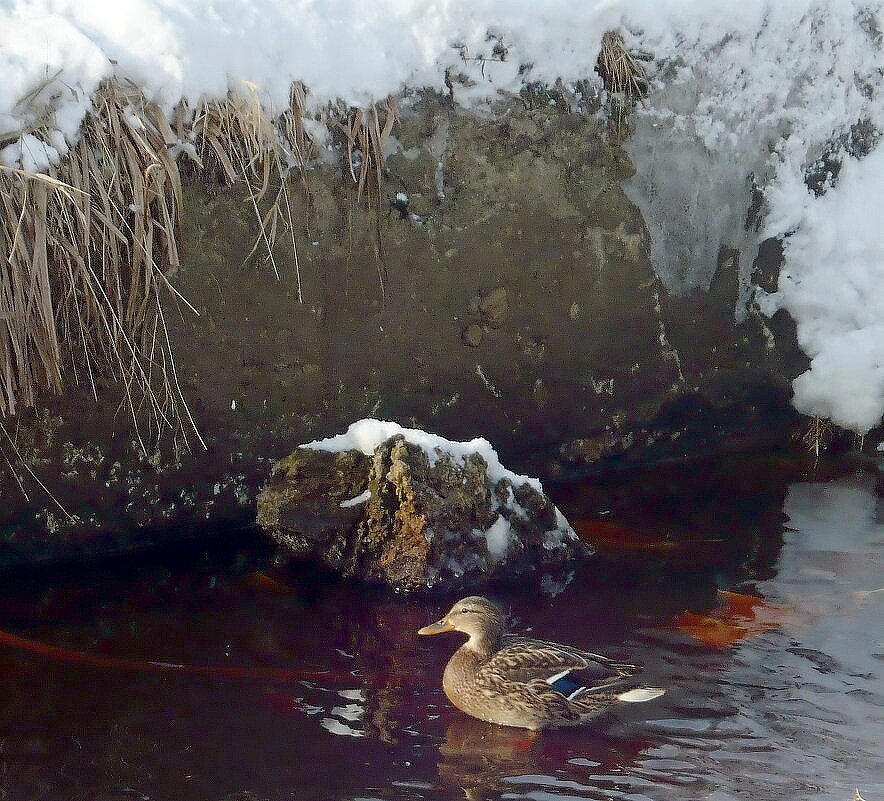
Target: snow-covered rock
411 510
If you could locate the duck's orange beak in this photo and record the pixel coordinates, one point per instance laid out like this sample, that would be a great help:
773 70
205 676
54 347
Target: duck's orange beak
439 627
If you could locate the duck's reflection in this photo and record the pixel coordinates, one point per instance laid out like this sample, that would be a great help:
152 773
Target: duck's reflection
485 760
477 756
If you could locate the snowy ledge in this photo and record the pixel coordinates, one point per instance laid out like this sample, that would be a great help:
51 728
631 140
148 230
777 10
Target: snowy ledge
54 56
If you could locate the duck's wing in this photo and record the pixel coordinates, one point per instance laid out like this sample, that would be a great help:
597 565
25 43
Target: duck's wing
522 660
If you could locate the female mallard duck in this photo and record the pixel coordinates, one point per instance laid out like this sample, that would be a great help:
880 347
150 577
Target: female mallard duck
516 681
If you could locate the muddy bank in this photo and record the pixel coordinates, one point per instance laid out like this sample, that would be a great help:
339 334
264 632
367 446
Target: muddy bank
499 284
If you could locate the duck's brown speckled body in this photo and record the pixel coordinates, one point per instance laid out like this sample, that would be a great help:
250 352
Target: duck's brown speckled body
531 684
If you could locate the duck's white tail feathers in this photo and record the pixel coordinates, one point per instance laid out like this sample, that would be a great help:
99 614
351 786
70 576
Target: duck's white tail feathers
641 694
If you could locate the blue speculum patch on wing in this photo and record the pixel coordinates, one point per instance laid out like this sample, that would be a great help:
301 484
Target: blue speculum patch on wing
565 683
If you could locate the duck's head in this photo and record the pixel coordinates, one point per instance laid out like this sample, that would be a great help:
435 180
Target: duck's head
475 616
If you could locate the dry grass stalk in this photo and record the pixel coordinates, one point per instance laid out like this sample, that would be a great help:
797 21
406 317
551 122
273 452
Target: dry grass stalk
87 252
33 475
248 143
365 140
818 435
84 257
621 70
624 78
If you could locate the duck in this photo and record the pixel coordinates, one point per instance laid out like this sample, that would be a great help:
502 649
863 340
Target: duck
531 684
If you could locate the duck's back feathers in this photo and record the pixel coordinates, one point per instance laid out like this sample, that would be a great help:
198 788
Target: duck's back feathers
522 659
550 683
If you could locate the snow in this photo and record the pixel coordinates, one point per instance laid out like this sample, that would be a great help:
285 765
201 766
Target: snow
365 435
497 537
339 48
832 283
762 88
359 499
743 94
754 59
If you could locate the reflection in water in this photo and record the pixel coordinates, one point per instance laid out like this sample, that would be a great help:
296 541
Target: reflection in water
737 617
477 756
793 710
822 683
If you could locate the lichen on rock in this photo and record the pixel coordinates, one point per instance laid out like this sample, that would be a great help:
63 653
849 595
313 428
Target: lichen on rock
413 517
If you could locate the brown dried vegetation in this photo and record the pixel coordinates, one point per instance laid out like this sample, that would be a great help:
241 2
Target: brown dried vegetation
88 250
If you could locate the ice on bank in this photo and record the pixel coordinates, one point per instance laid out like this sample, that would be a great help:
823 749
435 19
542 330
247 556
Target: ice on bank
832 283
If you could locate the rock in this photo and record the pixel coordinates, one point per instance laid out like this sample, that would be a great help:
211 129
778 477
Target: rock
472 335
301 503
427 522
588 450
494 306
544 224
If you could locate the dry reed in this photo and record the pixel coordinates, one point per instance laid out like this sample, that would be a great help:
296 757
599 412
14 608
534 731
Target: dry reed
624 78
620 69
85 254
88 250
366 140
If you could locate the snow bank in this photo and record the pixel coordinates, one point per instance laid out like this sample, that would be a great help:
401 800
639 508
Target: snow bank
743 93
341 49
752 59
832 283
747 100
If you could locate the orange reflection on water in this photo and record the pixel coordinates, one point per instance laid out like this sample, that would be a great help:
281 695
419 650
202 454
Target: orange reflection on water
738 617
607 536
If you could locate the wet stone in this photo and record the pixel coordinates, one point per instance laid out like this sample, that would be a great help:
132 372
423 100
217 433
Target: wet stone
588 450
396 518
472 335
494 306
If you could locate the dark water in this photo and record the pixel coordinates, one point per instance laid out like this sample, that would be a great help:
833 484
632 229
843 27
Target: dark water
794 711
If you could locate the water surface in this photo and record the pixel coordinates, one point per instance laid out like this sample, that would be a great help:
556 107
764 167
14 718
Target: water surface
795 710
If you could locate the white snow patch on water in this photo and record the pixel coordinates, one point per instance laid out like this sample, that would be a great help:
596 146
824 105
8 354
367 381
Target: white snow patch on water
335 726
349 712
